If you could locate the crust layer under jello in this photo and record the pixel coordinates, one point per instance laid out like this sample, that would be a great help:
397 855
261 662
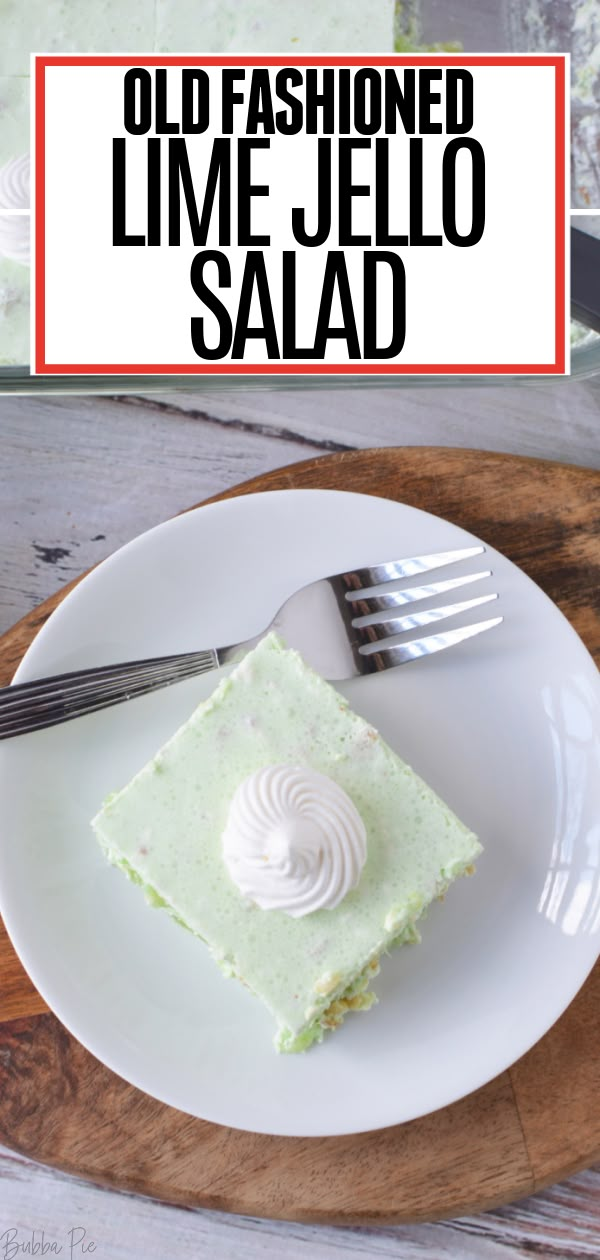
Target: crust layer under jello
165 831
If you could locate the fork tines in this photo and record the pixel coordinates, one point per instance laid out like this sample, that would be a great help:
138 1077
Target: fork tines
376 574
372 629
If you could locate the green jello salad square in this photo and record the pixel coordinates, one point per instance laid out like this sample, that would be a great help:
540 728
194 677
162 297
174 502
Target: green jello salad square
279 827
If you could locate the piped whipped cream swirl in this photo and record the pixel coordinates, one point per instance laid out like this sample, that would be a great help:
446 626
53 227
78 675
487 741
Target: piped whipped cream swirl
294 840
14 184
15 195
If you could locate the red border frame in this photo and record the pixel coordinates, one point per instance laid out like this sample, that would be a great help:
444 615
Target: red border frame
291 369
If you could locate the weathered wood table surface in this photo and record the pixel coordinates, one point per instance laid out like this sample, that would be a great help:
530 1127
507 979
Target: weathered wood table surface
81 476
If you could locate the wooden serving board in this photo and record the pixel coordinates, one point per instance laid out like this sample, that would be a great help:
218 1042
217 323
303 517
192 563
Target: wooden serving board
533 1125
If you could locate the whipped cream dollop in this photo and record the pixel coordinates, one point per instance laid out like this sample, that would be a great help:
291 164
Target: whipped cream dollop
294 840
15 195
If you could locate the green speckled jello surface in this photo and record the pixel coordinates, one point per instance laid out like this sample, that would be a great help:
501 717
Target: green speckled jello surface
14 310
164 829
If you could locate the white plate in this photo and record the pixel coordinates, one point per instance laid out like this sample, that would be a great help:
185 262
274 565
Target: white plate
506 727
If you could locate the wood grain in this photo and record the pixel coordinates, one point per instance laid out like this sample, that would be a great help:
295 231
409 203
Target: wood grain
93 1123
530 1126
81 476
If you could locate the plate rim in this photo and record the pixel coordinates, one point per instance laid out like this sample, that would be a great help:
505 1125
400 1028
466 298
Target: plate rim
226 503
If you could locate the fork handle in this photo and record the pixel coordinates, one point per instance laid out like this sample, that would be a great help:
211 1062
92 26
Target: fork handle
31 706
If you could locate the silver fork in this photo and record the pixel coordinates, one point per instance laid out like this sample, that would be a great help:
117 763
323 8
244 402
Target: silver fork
339 625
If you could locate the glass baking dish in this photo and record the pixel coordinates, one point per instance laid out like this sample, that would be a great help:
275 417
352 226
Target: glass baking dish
472 25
